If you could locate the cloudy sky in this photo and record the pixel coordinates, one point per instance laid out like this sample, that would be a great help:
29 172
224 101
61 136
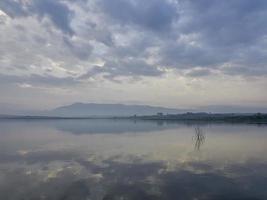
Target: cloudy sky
174 53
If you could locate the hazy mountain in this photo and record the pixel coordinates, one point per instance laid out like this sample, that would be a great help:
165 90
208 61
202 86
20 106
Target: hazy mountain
93 109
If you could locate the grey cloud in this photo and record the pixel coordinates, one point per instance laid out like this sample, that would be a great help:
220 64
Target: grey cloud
245 70
98 32
136 39
137 48
51 80
198 72
185 56
156 15
225 23
226 32
201 34
129 68
38 80
58 12
103 36
81 49
12 8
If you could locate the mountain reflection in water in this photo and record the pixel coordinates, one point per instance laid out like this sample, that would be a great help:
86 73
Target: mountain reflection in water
135 160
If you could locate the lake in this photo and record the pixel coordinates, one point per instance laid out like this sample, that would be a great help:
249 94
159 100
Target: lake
131 160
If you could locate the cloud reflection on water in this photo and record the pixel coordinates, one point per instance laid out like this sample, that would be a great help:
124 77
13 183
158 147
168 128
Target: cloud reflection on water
47 162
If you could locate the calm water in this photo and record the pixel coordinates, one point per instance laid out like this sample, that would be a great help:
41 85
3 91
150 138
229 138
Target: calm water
135 160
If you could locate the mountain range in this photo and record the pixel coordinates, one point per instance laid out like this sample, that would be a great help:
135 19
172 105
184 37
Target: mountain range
98 109
94 109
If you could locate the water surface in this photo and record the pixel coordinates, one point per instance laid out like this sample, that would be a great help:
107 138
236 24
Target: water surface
135 160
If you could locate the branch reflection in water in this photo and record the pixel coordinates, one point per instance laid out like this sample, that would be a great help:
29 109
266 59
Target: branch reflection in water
199 138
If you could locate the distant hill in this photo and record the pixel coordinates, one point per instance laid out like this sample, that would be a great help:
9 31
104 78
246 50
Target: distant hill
231 109
93 109
120 110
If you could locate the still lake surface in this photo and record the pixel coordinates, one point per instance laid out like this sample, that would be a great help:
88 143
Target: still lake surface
131 160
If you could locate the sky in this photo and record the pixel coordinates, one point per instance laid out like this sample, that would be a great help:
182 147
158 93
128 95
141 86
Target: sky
172 53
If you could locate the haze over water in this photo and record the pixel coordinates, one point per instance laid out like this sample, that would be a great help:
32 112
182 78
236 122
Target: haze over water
126 159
